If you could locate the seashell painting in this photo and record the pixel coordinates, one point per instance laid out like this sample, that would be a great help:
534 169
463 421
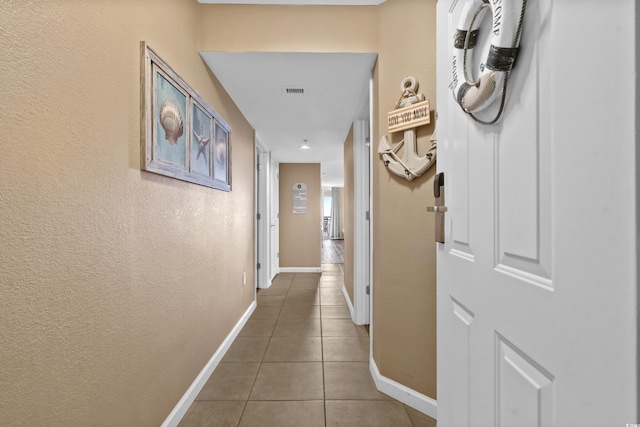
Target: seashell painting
171 121
182 135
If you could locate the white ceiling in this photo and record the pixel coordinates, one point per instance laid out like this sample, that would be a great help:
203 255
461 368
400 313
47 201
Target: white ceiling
336 87
299 2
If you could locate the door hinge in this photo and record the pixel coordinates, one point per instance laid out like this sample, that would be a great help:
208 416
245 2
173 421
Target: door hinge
278 255
258 266
367 216
368 289
258 216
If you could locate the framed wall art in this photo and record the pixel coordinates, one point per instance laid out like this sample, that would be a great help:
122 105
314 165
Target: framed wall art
182 135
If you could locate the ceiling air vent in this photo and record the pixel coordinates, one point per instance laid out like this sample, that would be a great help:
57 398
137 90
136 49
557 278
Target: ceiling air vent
294 91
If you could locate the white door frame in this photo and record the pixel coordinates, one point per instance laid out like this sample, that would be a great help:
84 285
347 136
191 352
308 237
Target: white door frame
261 217
362 214
361 232
273 199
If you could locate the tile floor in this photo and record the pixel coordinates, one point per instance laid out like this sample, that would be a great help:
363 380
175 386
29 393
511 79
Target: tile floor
300 362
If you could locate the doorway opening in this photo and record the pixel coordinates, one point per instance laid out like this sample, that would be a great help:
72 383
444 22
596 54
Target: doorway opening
332 225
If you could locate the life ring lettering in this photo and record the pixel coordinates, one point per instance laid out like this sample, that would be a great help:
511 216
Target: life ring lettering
476 94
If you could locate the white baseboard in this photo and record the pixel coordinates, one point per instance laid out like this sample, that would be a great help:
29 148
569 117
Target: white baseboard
349 304
300 269
402 393
190 395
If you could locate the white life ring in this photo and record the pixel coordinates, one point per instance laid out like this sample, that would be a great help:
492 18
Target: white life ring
506 25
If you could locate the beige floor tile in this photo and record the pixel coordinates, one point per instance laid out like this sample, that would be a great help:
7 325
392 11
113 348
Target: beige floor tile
327 292
288 381
247 349
302 297
270 299
258 328
292 311
342 328
296 349
337 285
366 413
302 292
336 282
350 381
266 312
306 277
297 328
276 288
305 285
332 272
335 312
230 381
283 414
299 284
331 278
333 299
345 349
213 414
284 277
419 419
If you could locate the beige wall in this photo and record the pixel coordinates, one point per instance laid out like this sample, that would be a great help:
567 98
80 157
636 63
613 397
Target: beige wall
404 276
231 28
348 213
117 285
300 234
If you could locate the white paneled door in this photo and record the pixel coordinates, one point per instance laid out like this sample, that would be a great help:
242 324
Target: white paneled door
537 278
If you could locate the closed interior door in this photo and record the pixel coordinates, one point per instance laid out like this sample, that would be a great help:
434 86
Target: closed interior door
537 296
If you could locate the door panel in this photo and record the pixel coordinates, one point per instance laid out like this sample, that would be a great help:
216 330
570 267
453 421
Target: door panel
459 350
524 393
459 199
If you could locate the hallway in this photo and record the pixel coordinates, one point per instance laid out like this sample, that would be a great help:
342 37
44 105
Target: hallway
301 362
332 251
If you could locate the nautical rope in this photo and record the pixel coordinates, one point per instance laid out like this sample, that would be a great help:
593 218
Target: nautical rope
516 42
414 93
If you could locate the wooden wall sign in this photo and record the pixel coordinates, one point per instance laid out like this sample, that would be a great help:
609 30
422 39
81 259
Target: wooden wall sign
409 117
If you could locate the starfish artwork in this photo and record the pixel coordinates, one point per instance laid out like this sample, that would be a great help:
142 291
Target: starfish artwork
202 144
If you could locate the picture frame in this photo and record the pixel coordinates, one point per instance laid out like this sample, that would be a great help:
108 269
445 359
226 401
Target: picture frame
182 136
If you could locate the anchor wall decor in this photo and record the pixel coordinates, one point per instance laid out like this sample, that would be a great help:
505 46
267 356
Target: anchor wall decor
412 110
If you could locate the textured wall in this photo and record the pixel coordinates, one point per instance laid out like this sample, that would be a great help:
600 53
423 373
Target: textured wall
117 285
300 234
288 28
404 259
